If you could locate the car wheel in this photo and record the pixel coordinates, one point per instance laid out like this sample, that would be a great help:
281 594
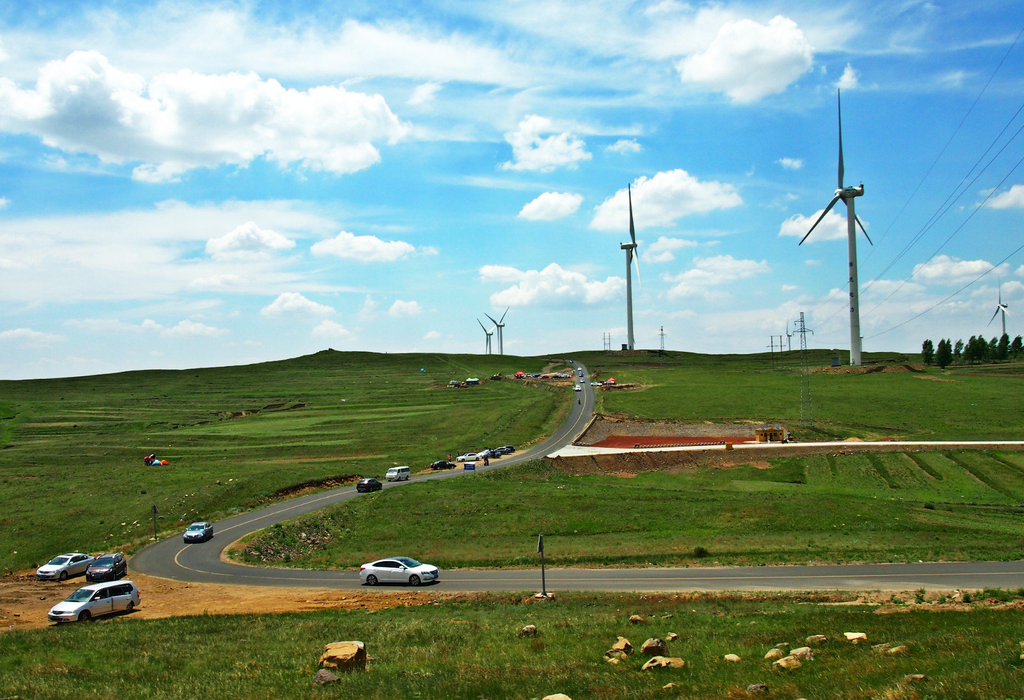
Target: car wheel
84 616
371 580
414 580
63 576
130 607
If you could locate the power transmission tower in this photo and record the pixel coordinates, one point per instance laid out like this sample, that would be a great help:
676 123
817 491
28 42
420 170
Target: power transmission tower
806 408
662 335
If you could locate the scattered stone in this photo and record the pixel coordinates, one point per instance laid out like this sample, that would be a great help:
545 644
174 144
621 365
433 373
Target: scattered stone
816 639
622 644
663 662
613 660
667 616
732 658
803 653
654 647
897 650
323 677
635 619
528 631
782 645
544 596
761 688
788 663
556 696
668 686
884 646
672 636
915 678
774 654
855 637
346 656
616 654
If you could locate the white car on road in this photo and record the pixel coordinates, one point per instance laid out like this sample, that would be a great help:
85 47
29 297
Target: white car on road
95 600
397 570
61 567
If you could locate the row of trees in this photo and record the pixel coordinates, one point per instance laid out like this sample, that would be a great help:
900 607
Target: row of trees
977 349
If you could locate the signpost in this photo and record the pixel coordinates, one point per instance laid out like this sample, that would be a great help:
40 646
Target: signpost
155 511
543 582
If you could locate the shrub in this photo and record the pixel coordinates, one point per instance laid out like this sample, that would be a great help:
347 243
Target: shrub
700 552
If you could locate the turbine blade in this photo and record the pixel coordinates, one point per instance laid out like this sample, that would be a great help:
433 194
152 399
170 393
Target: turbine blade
839 102
993 317
827 210
636 259
632 233
492 320
481 325
1006 311
506 311
857 219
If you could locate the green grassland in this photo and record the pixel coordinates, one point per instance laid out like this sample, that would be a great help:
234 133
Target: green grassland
963 505
984 402
469 648
71 470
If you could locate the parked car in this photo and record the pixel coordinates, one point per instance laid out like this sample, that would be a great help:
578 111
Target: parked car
198 532
95 600
473 456
369 484
508 449
397 570
64 565
107 567
503 450
442 464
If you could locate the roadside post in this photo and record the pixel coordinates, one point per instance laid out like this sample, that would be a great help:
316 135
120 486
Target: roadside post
155 511
543 582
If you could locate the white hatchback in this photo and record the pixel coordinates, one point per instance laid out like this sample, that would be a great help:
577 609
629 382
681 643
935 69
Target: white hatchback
96 600
398 570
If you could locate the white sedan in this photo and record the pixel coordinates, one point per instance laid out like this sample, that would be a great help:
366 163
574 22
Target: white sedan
60 567
397 570
473 456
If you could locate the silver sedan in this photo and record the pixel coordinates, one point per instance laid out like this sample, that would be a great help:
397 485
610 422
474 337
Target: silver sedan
61 567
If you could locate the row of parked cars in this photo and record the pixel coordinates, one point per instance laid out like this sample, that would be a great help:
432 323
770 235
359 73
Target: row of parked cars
106 567
493 453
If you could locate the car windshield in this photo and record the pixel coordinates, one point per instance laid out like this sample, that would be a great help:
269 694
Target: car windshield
411 563
105 560
80 596
195 527
59 561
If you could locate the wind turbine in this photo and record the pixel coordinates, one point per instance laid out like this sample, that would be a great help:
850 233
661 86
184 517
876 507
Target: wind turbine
1000 307
630 249
789 336
500 325
847 194
487 351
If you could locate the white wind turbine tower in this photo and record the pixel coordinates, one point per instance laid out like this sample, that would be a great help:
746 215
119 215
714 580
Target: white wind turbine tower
847 194
630 249
500 325
1000 308
487 350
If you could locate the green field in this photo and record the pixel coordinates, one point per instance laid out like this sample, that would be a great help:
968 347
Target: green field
851 508
71 470
469 648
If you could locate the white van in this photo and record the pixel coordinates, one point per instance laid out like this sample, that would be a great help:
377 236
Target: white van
398 474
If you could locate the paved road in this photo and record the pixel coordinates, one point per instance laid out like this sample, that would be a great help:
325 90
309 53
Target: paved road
173 559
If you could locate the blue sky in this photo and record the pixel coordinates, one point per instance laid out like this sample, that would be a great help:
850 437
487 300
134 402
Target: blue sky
204 184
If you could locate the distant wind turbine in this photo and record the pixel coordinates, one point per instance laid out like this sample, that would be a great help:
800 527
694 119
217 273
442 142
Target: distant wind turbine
631 255
487 347
1001 307
500 325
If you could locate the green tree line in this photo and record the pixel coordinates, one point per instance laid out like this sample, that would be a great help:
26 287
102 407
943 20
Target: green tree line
977 349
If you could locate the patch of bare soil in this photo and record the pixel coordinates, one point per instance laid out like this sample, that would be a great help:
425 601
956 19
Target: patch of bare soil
869 369
940 379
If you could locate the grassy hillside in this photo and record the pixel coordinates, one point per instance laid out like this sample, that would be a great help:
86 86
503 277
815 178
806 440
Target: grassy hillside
71 470
863 507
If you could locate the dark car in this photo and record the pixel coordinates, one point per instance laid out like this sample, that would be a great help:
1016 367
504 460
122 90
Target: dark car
443 464
507 449
107 567
366 485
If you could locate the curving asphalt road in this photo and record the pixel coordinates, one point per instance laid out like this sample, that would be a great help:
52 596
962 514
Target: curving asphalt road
202 562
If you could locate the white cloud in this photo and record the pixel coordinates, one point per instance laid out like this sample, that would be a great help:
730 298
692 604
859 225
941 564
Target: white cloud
624 146
368 311
943 269
662 199
404 309
294 304
749 61
849 79
332 330
432 335
424 93
247 239
4 202
712 272
1013 198
186 328
831 228
663 249
550 206
532 152
552 286
791 163
29 337
789 287
363 248
175 122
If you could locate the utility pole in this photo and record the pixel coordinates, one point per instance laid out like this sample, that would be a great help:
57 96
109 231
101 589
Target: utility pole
772 346
806 408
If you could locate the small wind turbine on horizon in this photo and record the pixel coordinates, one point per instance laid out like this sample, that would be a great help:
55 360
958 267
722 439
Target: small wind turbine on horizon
489 333
1001 307
847 194
500 326
630 249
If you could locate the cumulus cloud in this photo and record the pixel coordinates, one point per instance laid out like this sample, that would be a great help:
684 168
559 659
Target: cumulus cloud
943 269
712 272
831 228
662 199
404 309
550 206
363 248
791 163
663 249
849 80
184 328
552 286
749 61
331 330
624 146
1013 198
179 121
247 239
29 337
4 202
531 151
294 304
432 335
424 93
